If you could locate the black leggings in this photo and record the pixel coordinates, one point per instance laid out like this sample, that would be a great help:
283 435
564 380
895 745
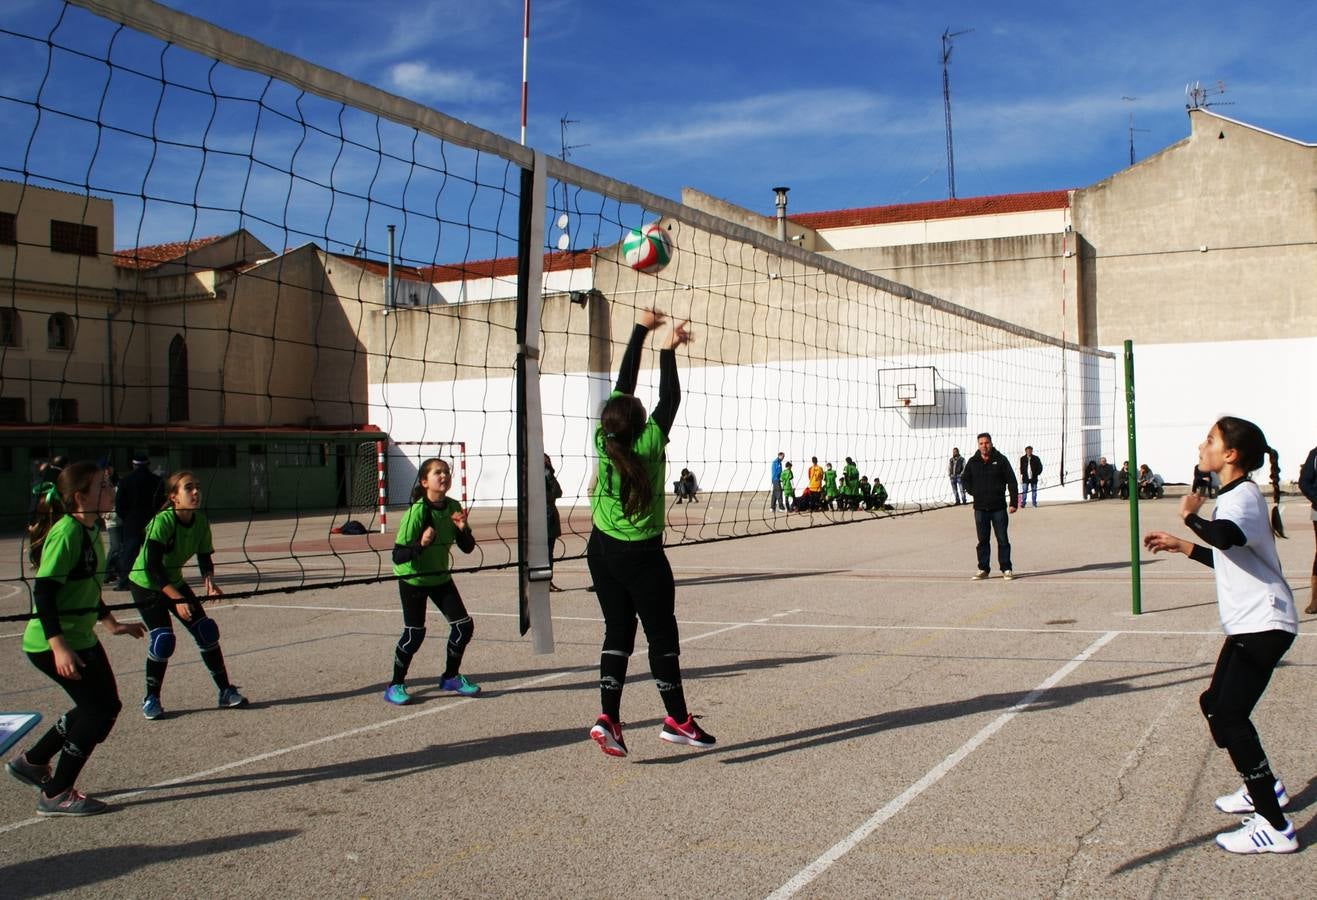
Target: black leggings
156 609
633 580
96 707
448 601
1243 670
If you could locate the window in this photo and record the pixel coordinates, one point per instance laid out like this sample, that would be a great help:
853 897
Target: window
63 412
13 410
211 456
72 237
178 380
9 229
59 332
299 454
9 333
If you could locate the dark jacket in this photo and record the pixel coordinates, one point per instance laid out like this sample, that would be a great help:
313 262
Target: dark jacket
138 498
1308 477
1030 468
987 481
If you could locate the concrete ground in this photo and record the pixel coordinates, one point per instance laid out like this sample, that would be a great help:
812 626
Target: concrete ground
885 727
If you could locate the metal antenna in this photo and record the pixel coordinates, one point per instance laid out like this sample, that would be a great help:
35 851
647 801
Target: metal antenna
566 148
1132 128
1198 97
946 103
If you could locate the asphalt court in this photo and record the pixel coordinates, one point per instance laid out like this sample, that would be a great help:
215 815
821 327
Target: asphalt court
885 727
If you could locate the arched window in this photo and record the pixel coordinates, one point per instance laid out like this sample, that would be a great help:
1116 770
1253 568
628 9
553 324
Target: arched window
59 332
178 387
10 335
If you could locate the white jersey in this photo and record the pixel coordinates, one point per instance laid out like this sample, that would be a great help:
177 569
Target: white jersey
1251 592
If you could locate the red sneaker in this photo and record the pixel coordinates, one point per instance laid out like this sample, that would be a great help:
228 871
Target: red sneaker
608 735
688 733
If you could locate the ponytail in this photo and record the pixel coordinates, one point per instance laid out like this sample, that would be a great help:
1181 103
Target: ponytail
621 421
56 499
1277 528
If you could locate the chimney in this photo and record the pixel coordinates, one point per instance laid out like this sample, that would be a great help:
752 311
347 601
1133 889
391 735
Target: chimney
781 204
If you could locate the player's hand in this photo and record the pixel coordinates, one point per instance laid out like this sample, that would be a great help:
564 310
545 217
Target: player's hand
651 318
681 334
132 629
67 663
184 611
212 589
1189 504
459 519
427 536
1159 541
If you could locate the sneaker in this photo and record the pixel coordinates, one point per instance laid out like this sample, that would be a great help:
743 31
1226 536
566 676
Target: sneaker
1008 575
459 685
688 733
608 735
72 803
22 770
230 698
151 707
1240 802
981 574
1257 836
397 695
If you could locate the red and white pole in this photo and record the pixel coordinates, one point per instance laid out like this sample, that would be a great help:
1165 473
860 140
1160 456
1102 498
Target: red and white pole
525 69
461 449
379 476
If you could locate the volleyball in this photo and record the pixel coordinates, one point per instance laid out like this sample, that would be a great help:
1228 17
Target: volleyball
647 249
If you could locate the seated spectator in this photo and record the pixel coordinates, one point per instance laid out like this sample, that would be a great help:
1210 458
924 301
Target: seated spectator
879 494
685 487
1106 478
866 493
1151 484
808 500
1202 483
1123 480
1090 480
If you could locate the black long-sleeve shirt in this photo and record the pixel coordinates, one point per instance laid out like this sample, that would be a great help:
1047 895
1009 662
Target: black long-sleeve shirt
665 411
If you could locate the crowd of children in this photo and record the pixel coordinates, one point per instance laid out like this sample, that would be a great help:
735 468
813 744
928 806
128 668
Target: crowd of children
824 491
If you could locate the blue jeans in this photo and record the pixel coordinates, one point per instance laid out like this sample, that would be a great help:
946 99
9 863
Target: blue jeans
986 522
957 492
1025 488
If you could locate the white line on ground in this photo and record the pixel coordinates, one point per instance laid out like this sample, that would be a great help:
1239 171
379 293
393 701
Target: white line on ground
361 729
846 844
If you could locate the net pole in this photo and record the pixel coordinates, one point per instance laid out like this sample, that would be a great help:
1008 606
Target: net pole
1136 583
534 570
380 483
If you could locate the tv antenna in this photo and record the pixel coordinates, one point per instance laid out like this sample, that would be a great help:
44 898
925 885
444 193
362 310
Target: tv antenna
1132 128
564 221
947 36
1199 97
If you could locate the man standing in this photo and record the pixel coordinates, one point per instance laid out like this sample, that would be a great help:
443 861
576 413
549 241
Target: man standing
987 476
1030 468
136 502
1308 484
955 469
777 483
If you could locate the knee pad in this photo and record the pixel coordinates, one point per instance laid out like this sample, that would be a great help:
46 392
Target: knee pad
411 640
207 633
160 644
460 632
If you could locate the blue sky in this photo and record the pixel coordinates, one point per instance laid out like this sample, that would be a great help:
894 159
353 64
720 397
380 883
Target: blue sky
839 99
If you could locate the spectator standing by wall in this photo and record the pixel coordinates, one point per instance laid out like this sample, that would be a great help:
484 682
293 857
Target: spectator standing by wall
955 469
137 500
1030 468
777 501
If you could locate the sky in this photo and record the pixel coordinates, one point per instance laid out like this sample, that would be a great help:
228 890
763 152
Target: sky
841 100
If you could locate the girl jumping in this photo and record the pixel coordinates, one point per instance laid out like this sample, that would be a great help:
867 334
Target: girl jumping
1257 615
631 574
428 531
59 640
173 536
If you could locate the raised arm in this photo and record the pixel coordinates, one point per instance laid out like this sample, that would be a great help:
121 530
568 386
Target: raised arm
665 411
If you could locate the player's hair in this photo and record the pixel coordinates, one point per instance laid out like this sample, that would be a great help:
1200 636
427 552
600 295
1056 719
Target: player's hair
1251 449
418 489
622 420
982 435
56 499
1028 448
172 484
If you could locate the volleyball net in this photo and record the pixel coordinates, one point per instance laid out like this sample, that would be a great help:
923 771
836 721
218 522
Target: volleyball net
299 286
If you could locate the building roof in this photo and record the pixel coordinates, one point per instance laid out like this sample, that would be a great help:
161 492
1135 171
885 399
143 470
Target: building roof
933 209
156 255
505 266
376 267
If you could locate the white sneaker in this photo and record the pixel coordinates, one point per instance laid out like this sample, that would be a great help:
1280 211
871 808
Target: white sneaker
981 574
1240 802
1257 836
1008 575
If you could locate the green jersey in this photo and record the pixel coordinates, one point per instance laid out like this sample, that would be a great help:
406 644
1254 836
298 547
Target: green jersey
850 480
879 494
830 482
181 540
788 482
606 499
72 555
430 565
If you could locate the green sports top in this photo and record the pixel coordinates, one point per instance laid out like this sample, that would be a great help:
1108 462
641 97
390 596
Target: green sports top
830 482
605 498
181 541
430 565
72 555
851 480
788 481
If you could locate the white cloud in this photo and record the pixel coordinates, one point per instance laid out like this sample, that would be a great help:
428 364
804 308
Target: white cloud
421 81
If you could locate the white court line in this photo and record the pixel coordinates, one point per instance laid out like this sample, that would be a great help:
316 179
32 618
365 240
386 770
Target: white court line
846 844
360 729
